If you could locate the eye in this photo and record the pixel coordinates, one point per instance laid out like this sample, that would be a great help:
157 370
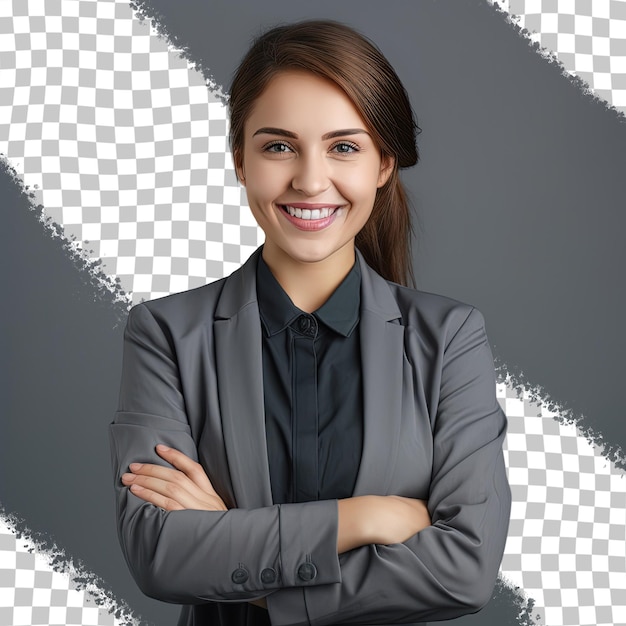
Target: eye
277 147
345 147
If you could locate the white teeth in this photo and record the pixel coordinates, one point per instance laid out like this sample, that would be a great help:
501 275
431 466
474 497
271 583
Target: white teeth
310 214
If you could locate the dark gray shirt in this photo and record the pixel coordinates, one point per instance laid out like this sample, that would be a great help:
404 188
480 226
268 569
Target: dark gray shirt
312 385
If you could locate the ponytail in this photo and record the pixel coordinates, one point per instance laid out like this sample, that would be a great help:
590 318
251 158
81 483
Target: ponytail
385 240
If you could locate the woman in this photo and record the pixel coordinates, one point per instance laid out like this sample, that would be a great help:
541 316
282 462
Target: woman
307 441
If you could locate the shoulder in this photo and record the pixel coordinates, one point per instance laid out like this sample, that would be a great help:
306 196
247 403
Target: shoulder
432 311
178 312
433 317
181 312
199 297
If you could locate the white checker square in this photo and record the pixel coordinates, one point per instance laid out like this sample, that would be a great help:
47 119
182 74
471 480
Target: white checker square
41 597
232 196
215 251
178 283
566 6
7 594
217 144
143 283
584 63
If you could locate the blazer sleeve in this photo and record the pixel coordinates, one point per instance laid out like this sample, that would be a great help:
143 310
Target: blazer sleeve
448 569
193 556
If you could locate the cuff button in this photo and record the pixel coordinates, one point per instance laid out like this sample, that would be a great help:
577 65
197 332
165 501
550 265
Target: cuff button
239 576
307 571
268 575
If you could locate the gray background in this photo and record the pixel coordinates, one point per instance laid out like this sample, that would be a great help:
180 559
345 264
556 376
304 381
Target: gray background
520 204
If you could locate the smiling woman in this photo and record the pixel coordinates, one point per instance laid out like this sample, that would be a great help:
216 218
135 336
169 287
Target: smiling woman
333 443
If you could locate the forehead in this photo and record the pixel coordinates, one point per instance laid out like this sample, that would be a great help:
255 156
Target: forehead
301 101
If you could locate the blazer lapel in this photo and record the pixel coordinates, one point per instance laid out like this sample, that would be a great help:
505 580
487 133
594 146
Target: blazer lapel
382 349
237 332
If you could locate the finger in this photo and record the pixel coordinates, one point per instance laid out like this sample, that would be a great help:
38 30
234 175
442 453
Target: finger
188 466
176 487
165 474
168 482
156 498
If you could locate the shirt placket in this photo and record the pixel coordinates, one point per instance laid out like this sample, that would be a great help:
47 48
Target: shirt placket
305 411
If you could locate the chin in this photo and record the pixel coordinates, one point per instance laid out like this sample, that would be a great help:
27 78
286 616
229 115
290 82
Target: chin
311 253
309 256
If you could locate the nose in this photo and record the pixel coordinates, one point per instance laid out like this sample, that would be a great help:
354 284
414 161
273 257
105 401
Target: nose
311 176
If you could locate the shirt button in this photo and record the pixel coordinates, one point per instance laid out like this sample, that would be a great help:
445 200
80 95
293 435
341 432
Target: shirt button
268 575
307 571
239 576
307 325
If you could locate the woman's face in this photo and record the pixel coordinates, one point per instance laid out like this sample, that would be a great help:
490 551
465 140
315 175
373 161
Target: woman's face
310 168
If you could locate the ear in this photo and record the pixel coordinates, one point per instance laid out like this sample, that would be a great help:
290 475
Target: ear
238 161
387 164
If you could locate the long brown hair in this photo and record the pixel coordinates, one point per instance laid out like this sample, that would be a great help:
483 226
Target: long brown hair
347 58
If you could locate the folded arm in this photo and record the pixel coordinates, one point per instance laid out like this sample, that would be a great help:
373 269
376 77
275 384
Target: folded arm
190 556
180 541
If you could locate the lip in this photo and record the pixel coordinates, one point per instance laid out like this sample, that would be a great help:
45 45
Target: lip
310 225
310 205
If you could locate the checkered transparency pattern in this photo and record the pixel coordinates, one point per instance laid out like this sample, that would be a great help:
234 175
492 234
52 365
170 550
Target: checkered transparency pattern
127 145
31 592
125 142
587 36
566 546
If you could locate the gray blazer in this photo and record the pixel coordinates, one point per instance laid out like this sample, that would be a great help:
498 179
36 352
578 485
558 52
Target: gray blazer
433 429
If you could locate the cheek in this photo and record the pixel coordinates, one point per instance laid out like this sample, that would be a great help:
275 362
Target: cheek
265 180
359 184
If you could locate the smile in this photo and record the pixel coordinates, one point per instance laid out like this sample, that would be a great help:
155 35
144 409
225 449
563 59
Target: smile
311 217
309 214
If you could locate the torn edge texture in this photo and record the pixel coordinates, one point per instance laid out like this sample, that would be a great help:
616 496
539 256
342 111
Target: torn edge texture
552 58
514 378
143 12
510 598
106 288
81 579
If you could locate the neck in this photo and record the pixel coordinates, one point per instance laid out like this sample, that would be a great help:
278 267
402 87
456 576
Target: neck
309 284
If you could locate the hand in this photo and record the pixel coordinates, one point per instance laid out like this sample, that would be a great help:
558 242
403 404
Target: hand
379 519
183 486
400 518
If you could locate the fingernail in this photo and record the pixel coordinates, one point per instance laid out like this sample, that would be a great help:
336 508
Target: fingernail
162 448
135 466
136 488
128 478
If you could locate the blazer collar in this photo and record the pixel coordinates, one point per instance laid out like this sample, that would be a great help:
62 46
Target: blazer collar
238 344
240 290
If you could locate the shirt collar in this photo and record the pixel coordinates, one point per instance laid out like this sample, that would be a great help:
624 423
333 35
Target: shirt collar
340 312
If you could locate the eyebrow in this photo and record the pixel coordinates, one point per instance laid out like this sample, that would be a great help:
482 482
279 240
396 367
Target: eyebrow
266 130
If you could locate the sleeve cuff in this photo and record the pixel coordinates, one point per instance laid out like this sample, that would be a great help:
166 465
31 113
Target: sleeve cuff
308 537
286 607
309 556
